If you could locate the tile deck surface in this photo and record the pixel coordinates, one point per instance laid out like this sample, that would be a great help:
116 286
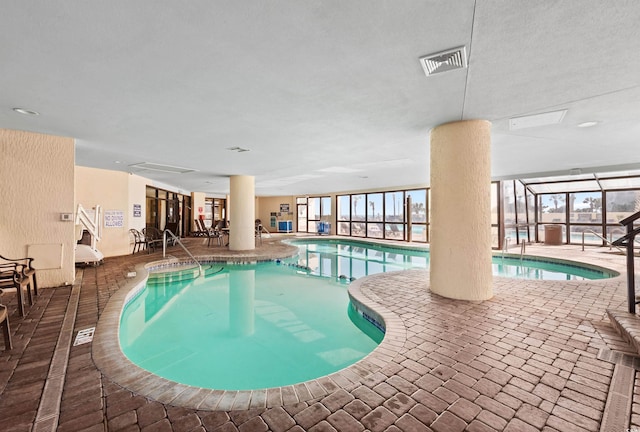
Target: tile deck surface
538 356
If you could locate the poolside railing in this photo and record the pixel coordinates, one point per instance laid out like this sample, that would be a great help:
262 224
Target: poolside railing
177 240
609 242
628 240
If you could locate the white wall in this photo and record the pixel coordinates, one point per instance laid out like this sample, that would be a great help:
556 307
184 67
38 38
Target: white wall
115 192
268 205
137 197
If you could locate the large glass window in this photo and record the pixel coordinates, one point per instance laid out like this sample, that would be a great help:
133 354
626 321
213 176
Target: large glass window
375 207
344 208
552 208
521 204
382 215
325 207
585 207
509 213
591 234
418 214
508 203
358 207
393 206
418 205
168 210
621 205
312 210
495 216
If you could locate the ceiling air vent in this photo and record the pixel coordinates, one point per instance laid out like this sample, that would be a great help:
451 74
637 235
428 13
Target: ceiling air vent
444 61
163 168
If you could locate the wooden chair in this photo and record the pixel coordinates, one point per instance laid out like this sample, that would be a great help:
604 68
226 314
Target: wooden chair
4 322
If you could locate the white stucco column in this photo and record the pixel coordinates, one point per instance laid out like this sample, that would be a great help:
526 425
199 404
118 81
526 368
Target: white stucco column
242 213
460 234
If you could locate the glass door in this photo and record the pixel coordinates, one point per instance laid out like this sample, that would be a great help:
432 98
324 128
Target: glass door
302 216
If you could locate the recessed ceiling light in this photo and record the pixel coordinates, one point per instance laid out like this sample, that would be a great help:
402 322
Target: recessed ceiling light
26 111
587 124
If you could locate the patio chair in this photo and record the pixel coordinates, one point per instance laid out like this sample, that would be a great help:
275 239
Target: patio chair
27 269
213 233
258 232
153 238
172 227
4 322
201 230
139 241
12 275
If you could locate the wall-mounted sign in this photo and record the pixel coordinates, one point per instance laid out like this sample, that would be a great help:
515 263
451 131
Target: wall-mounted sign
284 208
113 219
137 210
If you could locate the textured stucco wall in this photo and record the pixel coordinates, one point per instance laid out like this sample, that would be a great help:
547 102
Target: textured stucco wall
37 178
198 200
270 205
242 213
137 195
110 190
460 242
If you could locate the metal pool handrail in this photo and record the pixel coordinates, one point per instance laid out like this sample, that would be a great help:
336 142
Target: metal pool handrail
164 249
598 235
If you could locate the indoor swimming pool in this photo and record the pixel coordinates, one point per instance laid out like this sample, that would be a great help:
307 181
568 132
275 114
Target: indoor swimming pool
244 327
353 259
277 323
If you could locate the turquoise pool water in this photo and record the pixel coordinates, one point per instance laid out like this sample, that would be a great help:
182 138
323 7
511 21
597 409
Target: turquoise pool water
275 323
244 327
353 259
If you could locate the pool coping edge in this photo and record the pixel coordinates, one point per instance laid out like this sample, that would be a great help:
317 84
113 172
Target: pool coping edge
111 361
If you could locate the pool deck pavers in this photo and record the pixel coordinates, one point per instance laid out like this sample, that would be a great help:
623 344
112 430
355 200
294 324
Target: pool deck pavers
538 356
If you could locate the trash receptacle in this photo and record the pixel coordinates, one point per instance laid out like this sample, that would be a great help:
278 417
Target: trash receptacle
553 235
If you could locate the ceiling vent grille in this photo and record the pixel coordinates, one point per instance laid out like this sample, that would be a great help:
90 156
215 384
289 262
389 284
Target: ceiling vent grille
237 149
455 58
163 168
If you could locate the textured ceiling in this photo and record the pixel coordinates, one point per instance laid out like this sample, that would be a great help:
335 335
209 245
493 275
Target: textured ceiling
326 96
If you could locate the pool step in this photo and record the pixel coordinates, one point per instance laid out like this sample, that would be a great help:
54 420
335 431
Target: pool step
166 277
627 325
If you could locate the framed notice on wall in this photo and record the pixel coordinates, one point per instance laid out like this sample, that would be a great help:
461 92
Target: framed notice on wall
137 210
284 208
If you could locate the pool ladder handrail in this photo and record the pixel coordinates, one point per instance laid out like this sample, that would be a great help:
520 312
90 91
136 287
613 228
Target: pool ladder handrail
609 242
505 247
177 240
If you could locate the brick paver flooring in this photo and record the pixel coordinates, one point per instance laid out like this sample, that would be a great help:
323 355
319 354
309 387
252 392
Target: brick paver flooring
526 360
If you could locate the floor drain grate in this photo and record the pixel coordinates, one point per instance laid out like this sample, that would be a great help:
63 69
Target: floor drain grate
617 357
84 336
